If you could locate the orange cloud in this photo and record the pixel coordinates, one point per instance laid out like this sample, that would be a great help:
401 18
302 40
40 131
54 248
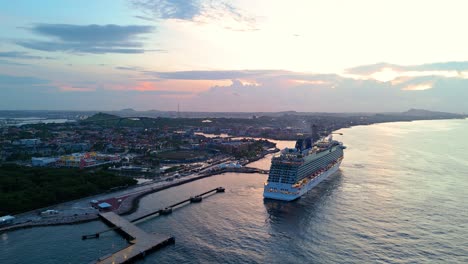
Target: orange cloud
194 86
418 87
313 82
145 86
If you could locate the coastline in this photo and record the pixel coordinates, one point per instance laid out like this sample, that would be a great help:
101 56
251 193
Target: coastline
272 137
131 203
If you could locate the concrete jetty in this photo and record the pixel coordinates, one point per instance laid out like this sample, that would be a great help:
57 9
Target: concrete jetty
141 242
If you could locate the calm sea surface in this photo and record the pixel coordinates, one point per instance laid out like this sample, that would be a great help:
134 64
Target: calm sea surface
401 196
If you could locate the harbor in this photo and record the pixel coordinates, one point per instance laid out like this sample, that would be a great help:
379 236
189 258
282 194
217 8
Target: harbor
351 216
141 242
122 202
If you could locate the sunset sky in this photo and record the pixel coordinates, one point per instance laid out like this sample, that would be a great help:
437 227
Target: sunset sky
245 55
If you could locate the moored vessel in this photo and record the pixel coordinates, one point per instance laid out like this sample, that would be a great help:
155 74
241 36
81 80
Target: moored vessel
295 171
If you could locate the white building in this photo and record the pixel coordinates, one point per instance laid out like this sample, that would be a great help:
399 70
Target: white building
27 142
49 213
6 220
41 162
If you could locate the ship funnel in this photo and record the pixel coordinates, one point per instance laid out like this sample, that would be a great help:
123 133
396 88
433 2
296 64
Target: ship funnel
314 133
300 144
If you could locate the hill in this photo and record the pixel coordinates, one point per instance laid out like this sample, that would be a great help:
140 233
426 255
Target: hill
101 116
429 114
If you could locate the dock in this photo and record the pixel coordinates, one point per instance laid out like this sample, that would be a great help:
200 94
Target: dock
168 209
141 242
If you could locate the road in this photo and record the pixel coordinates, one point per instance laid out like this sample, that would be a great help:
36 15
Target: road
82 208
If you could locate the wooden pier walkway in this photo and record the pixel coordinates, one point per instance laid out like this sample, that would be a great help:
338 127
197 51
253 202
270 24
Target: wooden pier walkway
141 242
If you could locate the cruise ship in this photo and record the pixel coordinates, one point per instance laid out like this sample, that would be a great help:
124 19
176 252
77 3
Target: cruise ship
295 171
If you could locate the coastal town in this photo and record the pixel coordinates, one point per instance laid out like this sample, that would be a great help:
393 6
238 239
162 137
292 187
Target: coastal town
216 131
137 156
149 158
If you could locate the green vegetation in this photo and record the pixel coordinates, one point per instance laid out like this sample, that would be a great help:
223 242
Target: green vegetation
108 120
19 156
24 188
173 169
181 155
254 149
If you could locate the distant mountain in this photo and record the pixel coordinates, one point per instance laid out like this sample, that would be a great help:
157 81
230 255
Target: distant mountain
101 116
127 110
427 113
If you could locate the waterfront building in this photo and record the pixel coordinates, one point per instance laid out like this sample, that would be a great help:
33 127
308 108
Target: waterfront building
6 220
42 161
47 213
104 206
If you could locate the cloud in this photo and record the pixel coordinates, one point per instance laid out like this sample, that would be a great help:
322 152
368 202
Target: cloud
199 11
129 68
216 75
92 33
339 95
243 90
7 62
144 18
68 88
177 86
440 66
9 80
287 81
88 38
386 72
152 87
410 83
24 92
418 87
278 90
373 68
17 55
166 9
27 92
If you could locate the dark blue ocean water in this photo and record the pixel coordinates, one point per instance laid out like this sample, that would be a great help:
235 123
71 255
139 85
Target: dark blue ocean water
401 196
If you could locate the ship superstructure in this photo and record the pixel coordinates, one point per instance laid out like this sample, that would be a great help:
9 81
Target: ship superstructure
295 171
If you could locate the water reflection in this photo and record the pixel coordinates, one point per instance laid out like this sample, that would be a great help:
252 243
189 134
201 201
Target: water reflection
380 207
293 213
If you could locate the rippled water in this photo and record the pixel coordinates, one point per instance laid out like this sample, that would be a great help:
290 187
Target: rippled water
401 196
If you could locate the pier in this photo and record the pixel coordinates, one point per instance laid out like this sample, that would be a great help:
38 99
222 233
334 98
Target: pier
141 242
168 210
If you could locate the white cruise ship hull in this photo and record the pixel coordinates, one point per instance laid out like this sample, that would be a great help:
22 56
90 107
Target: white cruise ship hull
286 192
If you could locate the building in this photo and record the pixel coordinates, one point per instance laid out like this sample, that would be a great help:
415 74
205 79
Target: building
231 165
234 146
104 206
42 162
27 142
6 220
86 160
47 213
